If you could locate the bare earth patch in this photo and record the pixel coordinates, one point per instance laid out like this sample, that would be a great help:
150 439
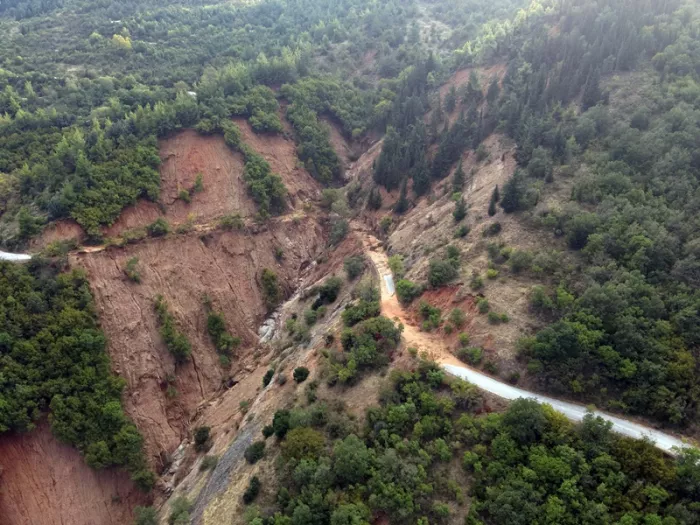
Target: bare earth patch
224 265
45 482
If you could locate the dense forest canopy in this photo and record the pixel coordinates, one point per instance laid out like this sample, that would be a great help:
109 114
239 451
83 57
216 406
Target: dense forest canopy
425 450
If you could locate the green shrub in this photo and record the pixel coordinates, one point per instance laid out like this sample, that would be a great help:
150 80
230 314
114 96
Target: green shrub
477 282
303 442
339 230
494 318
198 184
145 516
463 339
491 273
222 340
460 211
356 313
310 317
268 377
255 452
471 355
185 196
158 228
462 231
231 222
180 511
272 293
329 290
268 430
175 341
491 367
208 463
300 374
280 423
458 317
407 291
354 266
132 271
397 266
441 272
483 305
252 491
202 438
520 260
492 229
432 316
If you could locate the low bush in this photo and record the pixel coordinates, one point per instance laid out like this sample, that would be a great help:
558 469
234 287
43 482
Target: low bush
255 452
300 374
202 438
252 491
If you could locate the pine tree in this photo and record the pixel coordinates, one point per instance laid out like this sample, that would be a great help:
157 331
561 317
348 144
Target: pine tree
421 177
513 193
591 93
458 179
402 204
460 210
494 200
494 90
451 99
374 202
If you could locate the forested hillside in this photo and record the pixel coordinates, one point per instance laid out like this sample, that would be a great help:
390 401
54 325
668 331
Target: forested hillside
623 321
86 91
599 101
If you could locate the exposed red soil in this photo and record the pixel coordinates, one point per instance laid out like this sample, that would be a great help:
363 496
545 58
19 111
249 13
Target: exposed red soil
45 482
341 146
183 157
58 231
281 153
137 216
224 265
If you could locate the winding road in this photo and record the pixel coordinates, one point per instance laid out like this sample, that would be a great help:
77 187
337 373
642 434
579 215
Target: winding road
14 257
438 352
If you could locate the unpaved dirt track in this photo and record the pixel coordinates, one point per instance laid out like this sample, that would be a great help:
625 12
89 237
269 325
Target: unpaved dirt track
438 352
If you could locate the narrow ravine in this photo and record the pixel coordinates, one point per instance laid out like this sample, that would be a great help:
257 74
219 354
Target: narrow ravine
438 352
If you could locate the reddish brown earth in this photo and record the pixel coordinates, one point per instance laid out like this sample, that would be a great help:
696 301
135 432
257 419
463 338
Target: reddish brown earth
341 146
183 157
224 265
44 482
188 154
281 153
58 231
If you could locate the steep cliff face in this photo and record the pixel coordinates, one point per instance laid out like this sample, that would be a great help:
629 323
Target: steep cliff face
44 482
226 266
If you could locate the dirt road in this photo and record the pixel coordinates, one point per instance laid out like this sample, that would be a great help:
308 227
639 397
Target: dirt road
438 352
